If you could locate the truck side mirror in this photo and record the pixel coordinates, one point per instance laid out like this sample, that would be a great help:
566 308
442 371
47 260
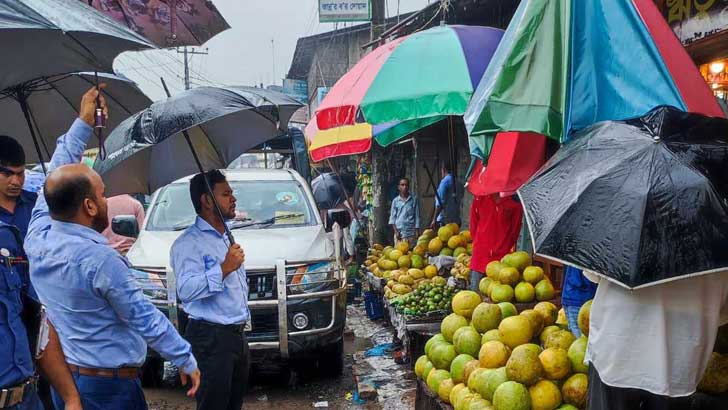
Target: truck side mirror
125 225
341 216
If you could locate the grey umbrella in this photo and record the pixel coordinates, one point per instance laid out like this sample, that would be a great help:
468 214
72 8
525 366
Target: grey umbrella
199 129
54 103
46 38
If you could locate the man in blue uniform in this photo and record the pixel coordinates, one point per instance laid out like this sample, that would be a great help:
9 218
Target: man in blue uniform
213 289
103 320
447 211
18 381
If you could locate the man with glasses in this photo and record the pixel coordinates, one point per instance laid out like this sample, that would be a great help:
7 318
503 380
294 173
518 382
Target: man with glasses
404 215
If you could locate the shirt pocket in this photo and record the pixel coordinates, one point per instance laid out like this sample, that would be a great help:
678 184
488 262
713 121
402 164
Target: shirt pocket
11 280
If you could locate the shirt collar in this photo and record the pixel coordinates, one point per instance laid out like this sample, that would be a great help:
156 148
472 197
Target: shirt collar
26 197
75 229
204 226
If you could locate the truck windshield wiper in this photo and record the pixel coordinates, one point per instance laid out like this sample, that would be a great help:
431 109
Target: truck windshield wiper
268 221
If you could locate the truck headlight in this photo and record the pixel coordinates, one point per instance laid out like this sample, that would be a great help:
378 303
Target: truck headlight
310 278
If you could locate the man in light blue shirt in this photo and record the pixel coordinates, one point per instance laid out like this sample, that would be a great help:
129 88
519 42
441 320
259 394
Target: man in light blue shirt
103 320
404 216
213 289
446 211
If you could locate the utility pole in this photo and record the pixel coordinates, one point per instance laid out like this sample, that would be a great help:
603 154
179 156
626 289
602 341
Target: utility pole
187 55
273 53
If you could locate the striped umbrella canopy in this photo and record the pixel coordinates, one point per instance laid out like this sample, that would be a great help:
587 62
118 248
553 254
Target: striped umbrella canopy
566 64
401 87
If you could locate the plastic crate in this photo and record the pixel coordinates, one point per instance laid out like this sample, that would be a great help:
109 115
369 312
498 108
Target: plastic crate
374 305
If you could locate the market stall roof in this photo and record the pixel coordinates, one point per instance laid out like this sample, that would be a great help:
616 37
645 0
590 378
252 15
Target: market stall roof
592 60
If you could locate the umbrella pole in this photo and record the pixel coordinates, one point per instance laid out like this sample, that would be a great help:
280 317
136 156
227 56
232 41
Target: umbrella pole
23 101
204 176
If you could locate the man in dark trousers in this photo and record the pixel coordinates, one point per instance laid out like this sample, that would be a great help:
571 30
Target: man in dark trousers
213 289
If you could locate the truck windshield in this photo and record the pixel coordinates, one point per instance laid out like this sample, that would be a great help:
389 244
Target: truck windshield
260 205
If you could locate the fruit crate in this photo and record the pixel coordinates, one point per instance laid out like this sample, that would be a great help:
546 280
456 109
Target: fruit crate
373 305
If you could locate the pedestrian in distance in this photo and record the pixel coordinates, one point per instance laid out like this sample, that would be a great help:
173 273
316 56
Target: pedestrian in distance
124 204
103 319
20 353
404 216
446 201
213 289
576 291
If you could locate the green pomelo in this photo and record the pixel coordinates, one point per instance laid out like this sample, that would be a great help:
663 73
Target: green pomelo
457 367
470 367
549 311
420 365
524 366
445 389
562 339
490 335
465 302
435 378
418 262
433 340
478 381
583 318
457 396
515 331
486 316
576 354
533 274
544 395
511 396
566 407
501 293
574 390
507 309
442 355
469 398
484 284
446 252
480 404
536 320
545 290
509 276
524 292
546 332
451 324
495 379
468 341
555 362
493 355
404 262
532 347
427 369
454 392
474 376
395 255
492 269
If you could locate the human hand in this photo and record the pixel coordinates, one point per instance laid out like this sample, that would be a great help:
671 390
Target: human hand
75 405
194 377
234 259
87 110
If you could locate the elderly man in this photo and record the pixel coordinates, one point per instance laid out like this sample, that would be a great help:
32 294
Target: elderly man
103 320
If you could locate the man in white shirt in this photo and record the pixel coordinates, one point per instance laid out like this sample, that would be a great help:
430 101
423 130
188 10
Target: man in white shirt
649 348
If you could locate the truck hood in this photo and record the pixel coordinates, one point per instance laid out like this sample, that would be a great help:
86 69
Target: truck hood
262 246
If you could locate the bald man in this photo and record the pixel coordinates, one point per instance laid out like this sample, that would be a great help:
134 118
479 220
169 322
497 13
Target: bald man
103 320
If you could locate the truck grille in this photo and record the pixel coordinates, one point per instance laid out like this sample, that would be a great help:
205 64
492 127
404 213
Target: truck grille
265 322
262 286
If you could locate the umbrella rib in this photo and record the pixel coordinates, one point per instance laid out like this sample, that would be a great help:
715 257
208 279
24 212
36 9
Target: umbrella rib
111 97
212 145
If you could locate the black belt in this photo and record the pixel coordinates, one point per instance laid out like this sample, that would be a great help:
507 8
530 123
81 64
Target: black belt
12 396
236 327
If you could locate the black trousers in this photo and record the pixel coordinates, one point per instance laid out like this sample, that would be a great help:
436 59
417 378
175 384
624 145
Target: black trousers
224 360
604 397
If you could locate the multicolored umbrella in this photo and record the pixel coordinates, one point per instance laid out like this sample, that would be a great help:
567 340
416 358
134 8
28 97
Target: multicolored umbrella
166 23
403 86
565 64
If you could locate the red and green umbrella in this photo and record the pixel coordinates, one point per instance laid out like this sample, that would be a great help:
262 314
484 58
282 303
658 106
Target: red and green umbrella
401 87
566 64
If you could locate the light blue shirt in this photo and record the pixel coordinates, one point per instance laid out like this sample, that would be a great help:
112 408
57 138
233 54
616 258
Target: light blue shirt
197 256
405 215
102 318
446 192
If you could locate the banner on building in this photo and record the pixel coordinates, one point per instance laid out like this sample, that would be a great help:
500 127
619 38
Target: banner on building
693 20
344 10
298 89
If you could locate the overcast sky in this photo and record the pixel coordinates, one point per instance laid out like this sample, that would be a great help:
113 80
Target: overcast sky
244 54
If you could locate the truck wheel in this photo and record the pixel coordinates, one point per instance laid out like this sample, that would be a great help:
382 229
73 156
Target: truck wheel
153 372
331 361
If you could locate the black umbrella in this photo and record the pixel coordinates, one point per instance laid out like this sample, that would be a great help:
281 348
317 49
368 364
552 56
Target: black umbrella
331 190
53 103
46 38
639 202
199 129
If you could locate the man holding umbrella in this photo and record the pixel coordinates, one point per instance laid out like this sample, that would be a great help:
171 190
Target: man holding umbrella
213 288
104 321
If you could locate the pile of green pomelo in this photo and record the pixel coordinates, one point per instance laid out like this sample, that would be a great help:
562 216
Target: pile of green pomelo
490 357
513 279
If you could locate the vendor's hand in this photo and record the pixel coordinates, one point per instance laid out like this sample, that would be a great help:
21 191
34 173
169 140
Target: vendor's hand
87 110
234 259
194 378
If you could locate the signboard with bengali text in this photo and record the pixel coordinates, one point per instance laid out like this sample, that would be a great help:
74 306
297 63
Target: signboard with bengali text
332 11
693 20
